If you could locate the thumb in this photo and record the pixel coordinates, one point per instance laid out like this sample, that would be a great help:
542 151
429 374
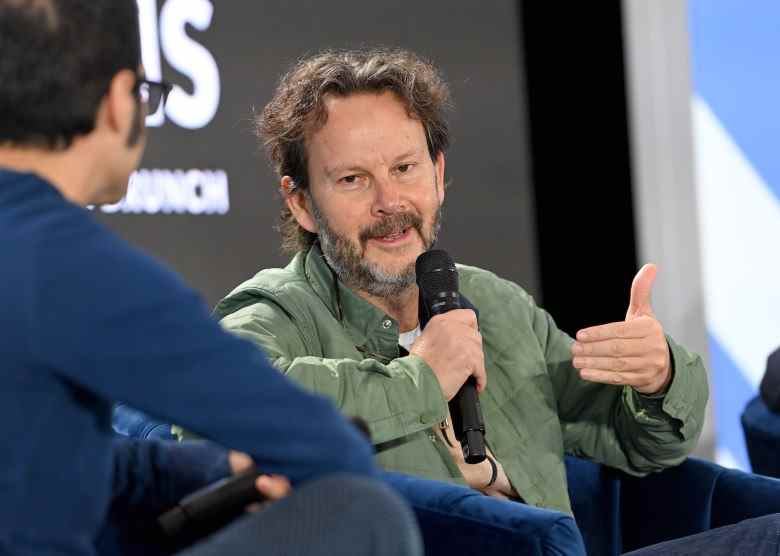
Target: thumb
641 289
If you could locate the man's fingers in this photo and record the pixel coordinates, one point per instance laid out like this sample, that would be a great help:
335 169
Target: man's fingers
464 316
474 360
633 329
634 379
622 364
473 343
481 375
641 290
239 461
610 348
273 487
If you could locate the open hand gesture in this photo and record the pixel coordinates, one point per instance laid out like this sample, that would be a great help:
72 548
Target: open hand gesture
632 352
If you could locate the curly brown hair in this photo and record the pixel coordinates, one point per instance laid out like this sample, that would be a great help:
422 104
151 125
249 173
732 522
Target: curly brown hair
298 109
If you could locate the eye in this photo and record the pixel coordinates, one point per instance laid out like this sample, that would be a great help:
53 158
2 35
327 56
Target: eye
404 168
352 182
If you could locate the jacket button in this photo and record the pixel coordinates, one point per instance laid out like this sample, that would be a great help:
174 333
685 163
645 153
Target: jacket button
387 323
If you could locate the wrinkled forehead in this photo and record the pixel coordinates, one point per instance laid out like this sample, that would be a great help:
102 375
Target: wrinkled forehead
368 126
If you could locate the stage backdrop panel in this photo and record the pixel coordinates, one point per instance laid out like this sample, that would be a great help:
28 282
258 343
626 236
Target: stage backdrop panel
736 122
205 201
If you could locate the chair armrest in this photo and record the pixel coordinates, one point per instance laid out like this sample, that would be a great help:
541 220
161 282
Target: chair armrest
669 504
693 497
762 437
459 520
594 491
740 496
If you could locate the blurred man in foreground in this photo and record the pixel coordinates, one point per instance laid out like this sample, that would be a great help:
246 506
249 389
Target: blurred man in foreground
87 320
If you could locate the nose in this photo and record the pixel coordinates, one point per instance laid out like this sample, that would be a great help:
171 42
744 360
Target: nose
387 198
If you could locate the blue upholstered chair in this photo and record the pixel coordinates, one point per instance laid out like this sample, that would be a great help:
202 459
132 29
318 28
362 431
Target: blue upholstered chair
459 520
762 436
615 513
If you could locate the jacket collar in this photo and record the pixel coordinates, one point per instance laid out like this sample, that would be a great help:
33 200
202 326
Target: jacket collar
373 332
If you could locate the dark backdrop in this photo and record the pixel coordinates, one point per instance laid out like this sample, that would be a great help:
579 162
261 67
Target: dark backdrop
489 209
579 137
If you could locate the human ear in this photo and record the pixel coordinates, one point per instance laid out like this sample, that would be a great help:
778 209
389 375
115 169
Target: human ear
299 204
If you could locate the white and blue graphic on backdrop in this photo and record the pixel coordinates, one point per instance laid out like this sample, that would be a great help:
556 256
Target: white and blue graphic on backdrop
736 121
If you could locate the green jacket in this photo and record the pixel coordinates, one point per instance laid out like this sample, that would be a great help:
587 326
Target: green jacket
536 408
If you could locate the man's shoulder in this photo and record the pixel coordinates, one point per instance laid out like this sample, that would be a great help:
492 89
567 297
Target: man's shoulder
31 209
275 284
59 238
484 287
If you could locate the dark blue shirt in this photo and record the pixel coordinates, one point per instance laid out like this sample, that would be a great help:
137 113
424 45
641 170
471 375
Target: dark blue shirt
85 320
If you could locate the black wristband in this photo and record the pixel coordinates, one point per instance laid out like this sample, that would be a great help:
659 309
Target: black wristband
494 469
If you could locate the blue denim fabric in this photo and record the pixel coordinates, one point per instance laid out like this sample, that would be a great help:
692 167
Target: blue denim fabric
752 537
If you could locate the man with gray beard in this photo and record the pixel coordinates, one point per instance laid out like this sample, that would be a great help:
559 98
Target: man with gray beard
358 140
359 273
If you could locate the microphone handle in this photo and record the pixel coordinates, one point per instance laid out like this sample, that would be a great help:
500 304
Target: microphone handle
465 409
466 413
209 509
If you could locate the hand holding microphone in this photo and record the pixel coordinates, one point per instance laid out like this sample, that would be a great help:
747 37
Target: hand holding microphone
268 487
211 508
451 345
453 349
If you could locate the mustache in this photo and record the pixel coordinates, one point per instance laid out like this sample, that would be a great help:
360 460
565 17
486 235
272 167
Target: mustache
390 225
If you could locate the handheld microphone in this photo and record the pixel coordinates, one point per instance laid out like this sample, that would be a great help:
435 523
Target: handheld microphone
207 510
437 279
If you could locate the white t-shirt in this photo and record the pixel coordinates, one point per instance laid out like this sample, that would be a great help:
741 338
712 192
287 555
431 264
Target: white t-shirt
406 339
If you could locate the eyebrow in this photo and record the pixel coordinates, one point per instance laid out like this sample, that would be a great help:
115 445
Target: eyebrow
336 170
407 154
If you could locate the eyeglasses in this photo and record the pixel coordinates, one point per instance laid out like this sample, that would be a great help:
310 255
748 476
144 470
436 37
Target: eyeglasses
152 93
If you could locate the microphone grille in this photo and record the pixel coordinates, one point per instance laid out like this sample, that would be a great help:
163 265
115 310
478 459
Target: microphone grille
436 273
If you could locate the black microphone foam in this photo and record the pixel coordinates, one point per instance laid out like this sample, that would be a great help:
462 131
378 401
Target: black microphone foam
439 270
770 384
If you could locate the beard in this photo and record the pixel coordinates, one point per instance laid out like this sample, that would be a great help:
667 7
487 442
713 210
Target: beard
347 259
